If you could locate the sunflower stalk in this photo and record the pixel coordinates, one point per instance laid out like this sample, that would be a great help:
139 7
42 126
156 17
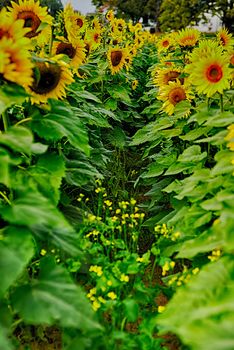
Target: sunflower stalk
5 121
221 103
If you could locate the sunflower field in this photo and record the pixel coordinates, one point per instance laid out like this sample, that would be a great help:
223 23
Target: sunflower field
116 184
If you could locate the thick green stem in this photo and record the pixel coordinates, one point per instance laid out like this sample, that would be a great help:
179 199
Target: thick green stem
221 103
5 120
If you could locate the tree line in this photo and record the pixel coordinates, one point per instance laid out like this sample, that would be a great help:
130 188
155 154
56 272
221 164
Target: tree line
172 14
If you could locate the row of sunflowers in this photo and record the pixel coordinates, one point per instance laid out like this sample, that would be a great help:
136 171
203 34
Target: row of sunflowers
116 183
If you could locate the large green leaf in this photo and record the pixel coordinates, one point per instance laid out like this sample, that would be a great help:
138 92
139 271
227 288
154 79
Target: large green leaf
4 341
61 122
16 249
11 94
33 209
202 312
48 174
17 138
54 298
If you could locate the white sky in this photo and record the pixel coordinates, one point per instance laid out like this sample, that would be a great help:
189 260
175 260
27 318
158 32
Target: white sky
84 6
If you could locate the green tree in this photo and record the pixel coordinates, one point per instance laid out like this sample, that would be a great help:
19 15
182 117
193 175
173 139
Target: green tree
224 9
177 14
53 6
133 9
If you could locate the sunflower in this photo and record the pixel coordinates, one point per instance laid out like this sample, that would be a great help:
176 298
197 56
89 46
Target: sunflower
172 94
116 57
135 83
165 42
33 15
162 76
74 23
188 37
205 49
11 28
16 65
50 80
75 51
210 73
110 15
224 38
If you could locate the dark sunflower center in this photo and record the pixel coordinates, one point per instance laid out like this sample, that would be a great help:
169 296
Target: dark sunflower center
223 41
31 20
214 73
177 95
116 57
79 22
49 77
171 76
96 37
165 43
66 49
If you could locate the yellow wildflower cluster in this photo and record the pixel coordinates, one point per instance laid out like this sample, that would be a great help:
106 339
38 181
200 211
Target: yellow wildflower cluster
167 232
169 265
179 280
215 255
97 269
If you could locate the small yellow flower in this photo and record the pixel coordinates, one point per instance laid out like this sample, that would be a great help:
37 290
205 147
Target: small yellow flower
118 211
195 271
109 283
102 300
96 269
112 295
124 278
96 305
108 203
43 252
161 309
133 201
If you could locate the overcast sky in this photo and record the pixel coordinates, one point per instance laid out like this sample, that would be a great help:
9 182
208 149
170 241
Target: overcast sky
84 6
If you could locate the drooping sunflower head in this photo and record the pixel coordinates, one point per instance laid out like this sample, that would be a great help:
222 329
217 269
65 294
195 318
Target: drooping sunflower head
210 74
74 23
110 15
75 51
16 65
188 37
172 94
50 80
33 16
224 38
116 57
163 76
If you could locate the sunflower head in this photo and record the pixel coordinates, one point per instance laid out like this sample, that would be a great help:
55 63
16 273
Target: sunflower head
15 65
116 57
75 51
33 16
224 38
110 15
49 80
165 42
209 73
162 76
188 37
172 94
